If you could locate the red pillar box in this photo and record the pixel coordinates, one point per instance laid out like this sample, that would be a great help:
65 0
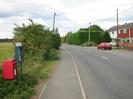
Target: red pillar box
9 69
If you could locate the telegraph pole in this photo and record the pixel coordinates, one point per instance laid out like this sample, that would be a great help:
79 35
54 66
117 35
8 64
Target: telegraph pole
54 22
117 29
89 33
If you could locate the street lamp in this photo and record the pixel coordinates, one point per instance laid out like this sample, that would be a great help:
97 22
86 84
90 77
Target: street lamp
89 33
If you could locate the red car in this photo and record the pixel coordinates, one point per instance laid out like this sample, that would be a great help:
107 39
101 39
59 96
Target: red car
104 45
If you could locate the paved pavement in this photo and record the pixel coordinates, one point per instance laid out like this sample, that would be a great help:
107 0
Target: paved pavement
64 84
103 74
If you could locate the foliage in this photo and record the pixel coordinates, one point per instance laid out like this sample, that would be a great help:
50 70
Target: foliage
40 53
38 68
56 39
33 69
37 39
54 54
82 36
20 88
106 37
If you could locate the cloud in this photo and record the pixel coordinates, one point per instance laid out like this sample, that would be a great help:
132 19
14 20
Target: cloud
23 7
71 14
66 26
5 30
123 17
74 4
127 14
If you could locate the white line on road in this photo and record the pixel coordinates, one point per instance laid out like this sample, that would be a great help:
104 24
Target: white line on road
106 58
80 82
42 90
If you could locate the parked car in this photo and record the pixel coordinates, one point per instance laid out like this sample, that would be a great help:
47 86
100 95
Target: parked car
104 45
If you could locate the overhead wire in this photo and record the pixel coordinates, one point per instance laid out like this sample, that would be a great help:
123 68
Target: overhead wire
111 17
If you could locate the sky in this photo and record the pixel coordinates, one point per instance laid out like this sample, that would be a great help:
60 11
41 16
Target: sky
71 15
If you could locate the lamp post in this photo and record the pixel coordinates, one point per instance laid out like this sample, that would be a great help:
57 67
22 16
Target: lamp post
89 33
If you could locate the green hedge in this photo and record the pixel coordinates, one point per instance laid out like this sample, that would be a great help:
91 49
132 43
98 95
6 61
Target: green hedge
20 88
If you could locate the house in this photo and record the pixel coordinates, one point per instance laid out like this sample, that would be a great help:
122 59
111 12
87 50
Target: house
125 33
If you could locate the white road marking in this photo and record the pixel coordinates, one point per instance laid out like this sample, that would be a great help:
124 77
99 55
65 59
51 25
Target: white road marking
106 58
79 79
42 90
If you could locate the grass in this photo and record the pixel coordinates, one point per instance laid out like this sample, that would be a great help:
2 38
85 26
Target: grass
39 69
23 86
6 51
20 88
33 69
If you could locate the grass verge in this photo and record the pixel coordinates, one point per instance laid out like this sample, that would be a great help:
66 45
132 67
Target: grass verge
6 51
34 69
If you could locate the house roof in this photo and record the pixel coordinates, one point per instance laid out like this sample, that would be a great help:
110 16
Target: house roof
126 25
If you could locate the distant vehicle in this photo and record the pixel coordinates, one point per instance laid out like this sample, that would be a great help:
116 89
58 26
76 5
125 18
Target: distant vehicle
104 46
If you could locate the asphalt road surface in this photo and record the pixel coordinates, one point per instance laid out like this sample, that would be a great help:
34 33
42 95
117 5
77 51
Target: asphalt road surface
88 73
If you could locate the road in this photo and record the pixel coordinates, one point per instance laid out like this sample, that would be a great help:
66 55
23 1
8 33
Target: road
103 74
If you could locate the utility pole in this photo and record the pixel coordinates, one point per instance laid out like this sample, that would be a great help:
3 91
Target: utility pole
89 33
117 29
54 22
129 36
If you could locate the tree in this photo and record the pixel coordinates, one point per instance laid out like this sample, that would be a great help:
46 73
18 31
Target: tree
36 38
68 37
57 39
106 37
81 36
96 33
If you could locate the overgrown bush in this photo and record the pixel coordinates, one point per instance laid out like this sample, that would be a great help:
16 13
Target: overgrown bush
54 54
0 71
40 47
20 88
36 64
37 39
